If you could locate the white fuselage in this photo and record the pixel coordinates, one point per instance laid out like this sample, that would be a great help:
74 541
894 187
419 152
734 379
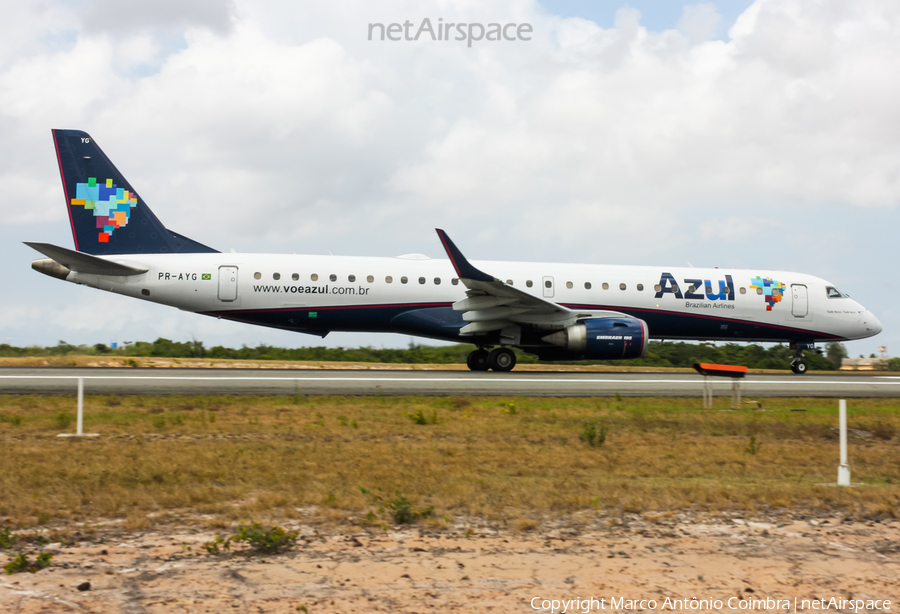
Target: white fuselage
318 294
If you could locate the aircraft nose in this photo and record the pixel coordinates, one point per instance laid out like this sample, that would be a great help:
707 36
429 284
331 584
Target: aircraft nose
873 324
870 325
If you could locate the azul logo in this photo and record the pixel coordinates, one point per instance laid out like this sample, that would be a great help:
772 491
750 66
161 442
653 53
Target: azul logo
696 289
772 290
111 204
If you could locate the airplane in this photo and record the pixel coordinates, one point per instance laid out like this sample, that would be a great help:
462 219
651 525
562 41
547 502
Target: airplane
554 311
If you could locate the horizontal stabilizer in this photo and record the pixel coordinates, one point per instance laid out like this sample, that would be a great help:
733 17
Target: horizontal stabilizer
84 263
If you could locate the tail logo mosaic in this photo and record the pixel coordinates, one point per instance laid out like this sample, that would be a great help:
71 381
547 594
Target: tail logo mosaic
112 205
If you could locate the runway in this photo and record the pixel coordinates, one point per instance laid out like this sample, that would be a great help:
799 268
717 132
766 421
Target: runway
441 383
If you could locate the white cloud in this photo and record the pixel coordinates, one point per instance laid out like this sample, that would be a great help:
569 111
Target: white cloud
735 229
115 17
279 126
700 22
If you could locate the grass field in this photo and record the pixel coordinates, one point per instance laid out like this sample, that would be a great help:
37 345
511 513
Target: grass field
520 459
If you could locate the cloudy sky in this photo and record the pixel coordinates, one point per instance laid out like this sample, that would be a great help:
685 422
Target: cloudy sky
734 133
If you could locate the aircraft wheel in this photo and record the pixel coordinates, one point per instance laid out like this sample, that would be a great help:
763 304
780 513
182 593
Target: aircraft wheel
799 367
477 360
502 359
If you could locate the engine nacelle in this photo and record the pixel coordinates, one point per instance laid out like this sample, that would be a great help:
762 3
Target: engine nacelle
603 338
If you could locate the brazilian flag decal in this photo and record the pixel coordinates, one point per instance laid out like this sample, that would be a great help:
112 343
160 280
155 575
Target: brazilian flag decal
206 276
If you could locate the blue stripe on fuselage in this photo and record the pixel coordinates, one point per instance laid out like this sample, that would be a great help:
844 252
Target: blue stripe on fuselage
439 321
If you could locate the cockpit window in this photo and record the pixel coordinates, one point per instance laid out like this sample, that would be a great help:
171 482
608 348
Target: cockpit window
835 293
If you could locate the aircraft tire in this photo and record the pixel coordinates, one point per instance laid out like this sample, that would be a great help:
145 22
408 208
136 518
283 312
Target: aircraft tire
799 367
502 359
478 360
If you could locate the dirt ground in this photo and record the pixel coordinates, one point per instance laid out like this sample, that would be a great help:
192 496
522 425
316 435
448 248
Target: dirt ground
478 567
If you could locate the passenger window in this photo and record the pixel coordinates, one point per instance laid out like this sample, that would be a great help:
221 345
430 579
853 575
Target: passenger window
605 286
509 282
759 290
621 286
529 283
314 277
657 287
437 281
455 281
370 278
587 285
421 280
295 276
675 288
276 276
708 289
403 280
640 287
332 277
388 279
257 276
548 284
351 278
691 288
569 285
743 290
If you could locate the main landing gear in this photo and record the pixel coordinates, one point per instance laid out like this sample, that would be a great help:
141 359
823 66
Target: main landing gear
498 359
798 365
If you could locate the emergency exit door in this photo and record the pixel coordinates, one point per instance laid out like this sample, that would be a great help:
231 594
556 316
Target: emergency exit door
228 283
548 287
800 306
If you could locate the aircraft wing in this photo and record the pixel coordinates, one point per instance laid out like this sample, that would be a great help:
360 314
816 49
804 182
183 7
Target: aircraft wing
492 304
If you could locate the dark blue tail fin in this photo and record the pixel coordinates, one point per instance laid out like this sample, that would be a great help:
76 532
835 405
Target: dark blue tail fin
107 215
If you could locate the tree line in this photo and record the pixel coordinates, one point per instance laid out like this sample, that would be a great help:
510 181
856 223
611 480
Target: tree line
658 354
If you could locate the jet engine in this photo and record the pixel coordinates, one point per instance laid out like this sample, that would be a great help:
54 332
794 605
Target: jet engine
603 338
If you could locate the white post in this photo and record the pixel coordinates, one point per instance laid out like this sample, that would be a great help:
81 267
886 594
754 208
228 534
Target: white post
80 429
843 469
736 394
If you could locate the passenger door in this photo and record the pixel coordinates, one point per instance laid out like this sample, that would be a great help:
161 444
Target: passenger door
800 305
228 283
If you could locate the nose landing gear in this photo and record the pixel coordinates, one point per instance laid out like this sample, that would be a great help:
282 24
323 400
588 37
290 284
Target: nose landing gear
498 359
798 364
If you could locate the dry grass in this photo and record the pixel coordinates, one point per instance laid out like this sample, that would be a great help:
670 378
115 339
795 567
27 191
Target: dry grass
243 457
